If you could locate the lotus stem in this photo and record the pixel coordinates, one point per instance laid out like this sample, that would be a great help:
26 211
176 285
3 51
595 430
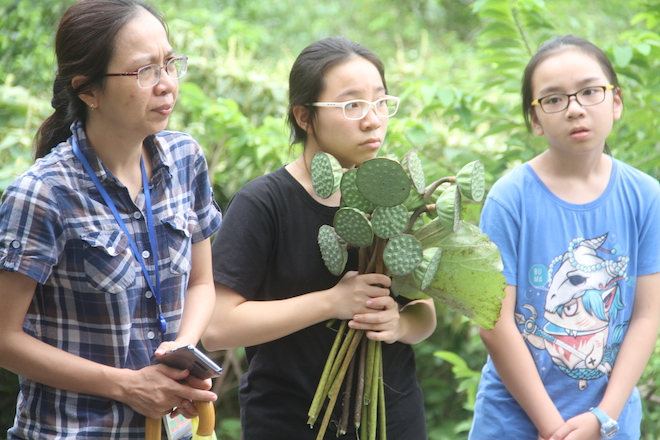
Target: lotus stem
346 405
359 393
336 384
321 389
373 400
382 410
342 355
414 216
432 187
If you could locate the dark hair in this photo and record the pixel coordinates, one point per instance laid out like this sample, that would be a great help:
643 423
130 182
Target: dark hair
306 80
551 47
84 45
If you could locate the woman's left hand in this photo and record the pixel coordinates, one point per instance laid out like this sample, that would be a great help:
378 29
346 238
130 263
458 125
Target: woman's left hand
382 322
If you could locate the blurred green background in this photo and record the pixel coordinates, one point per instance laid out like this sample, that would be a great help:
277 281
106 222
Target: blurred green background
457 66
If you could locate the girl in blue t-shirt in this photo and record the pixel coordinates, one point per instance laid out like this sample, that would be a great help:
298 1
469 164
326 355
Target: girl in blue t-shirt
578 233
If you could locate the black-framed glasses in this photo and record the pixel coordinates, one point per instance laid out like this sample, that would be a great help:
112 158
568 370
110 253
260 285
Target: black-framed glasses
558 102
357 109
148 76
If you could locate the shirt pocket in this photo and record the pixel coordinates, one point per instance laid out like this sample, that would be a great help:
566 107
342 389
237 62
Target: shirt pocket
178 229
108 261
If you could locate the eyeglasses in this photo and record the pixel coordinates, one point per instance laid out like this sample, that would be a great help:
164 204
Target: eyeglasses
586 97
357 109
149 76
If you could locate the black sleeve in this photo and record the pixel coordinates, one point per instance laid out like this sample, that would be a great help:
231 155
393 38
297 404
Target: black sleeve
243 245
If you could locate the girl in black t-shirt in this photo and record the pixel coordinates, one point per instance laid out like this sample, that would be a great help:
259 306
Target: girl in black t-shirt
274 293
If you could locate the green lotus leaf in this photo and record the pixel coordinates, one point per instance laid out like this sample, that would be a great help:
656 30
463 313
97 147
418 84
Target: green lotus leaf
388 221
428 268
326 174
413 166
383 181
333 250
403 253
471 181
448 208
354 227
469 280
351 196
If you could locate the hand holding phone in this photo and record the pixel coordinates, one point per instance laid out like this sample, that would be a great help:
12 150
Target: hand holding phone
191 359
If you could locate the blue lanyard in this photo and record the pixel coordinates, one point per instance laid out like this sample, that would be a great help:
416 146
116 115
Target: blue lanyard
162 324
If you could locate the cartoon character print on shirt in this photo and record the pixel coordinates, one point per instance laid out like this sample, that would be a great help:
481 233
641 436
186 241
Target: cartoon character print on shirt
582 301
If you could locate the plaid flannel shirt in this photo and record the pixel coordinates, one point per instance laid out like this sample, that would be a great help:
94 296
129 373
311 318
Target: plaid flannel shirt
92 299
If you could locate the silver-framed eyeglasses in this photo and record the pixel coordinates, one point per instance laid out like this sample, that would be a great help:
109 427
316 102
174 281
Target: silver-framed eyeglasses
149 76
357 109
586 97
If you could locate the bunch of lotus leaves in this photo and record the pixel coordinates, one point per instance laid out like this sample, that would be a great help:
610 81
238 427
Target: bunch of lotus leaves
385 211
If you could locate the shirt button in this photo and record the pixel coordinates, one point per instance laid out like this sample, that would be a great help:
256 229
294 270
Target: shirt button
137 215
148 294
146 254
151 335
111 250
15 244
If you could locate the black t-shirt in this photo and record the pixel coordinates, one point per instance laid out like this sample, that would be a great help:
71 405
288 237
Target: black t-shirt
266 249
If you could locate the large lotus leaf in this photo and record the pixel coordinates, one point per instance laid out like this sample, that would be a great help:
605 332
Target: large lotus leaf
469 279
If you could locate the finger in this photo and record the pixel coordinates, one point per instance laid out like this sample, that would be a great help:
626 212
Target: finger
200 384
171 372
193 394
381 303
166 346
383 336
187 409
376 279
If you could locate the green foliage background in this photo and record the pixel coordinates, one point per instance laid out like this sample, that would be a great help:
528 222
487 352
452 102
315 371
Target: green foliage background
457 65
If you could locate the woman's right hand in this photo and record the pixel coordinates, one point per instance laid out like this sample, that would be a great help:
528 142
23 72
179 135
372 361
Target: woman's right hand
351 294
156 390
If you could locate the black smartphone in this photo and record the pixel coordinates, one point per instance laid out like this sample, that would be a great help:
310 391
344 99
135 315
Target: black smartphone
191 359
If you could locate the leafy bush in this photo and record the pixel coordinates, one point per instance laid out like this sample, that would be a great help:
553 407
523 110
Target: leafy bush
456 64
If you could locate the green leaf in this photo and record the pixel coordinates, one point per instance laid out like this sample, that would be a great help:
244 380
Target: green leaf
622 55
470 278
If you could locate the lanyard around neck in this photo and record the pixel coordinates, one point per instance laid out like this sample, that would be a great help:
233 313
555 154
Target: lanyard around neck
162 323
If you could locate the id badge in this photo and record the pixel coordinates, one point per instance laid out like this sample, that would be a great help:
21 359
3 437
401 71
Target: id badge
178 428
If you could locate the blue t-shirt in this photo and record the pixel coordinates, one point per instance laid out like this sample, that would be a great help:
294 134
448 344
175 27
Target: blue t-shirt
575 269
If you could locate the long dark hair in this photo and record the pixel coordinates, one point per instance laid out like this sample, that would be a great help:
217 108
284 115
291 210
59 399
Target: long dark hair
551 47
84 45
308 72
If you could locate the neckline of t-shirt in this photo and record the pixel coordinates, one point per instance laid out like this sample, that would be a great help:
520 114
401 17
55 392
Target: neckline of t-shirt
307 197
577 206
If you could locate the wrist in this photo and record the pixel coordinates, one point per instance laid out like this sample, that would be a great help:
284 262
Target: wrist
116 383
608 426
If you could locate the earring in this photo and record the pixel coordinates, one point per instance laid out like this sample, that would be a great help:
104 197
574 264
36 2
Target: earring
93 106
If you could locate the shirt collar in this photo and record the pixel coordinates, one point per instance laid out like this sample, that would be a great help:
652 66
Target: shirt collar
160 162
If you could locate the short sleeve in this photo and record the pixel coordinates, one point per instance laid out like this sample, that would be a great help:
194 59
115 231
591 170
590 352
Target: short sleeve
243 245
649 233
208 212
503 229
30 232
